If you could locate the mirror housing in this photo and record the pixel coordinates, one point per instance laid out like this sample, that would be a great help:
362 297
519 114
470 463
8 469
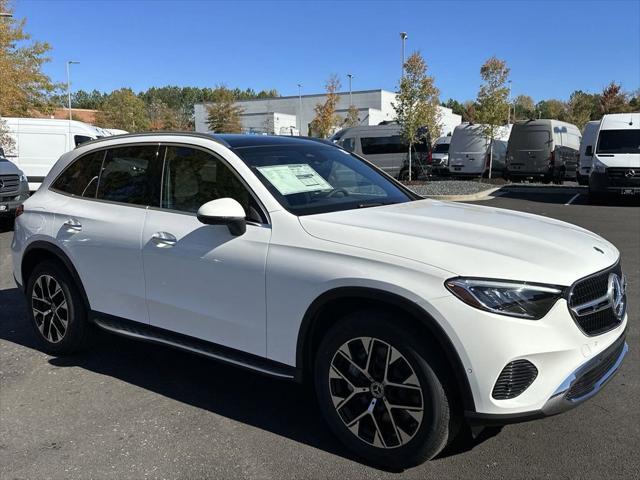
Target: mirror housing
589 151
224 211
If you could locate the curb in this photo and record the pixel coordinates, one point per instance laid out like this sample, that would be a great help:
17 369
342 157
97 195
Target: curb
483 195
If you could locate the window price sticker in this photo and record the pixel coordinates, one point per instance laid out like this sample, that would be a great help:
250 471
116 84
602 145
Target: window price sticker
295 178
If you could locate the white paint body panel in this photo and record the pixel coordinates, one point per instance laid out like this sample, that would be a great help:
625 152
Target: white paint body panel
252 292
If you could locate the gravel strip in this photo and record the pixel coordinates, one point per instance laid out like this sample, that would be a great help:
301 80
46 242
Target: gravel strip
450 187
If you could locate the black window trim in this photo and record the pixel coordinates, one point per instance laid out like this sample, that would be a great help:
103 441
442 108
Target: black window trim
263 211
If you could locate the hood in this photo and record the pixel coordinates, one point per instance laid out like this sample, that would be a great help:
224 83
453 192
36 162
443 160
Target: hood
470 240
7 167
620 160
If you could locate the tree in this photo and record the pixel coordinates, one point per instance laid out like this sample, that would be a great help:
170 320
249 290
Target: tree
161 117
493 106
326 118
224 114
352 118
469 113
455 106
552 108
613 99
523 107
417 104
124 110
581 108
24 88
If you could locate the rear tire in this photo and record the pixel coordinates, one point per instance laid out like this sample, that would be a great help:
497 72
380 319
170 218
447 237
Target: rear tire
56 310
367 367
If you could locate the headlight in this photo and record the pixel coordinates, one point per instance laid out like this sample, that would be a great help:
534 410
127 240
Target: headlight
515 299
598 166
23 178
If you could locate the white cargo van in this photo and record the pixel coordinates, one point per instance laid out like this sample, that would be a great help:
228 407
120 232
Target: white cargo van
584 163
440 155
39 142
469 150
616 157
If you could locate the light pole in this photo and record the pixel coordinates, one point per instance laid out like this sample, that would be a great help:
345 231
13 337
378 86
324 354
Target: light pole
300 108
69 63
509 107
6 15
403 36
350 97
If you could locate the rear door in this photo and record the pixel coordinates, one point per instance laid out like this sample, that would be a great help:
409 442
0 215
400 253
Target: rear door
531 150
99 219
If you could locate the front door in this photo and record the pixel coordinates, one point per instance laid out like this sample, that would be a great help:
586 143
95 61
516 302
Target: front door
201 280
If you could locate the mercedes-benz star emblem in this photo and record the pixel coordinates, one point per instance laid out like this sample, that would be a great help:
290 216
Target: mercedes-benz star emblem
630 173
615 292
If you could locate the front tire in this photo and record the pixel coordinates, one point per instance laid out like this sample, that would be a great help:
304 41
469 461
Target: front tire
380 390
56 310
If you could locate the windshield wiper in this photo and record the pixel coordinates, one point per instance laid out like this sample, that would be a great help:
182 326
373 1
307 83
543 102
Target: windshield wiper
373 204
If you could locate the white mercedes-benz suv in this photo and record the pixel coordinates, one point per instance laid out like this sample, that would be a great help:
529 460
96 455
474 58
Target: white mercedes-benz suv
295 258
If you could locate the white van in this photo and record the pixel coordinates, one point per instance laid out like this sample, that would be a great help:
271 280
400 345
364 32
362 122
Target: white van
440 155
584 163
39 143
616 157
384 146
469 150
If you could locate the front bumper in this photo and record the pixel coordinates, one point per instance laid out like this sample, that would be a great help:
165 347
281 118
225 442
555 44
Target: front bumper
615 180
10 201
582 384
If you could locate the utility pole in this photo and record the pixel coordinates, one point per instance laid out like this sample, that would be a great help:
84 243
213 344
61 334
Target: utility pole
69 63
300 108
509 107
403 36
350 97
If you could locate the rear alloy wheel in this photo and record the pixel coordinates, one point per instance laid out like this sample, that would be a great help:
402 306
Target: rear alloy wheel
56 309
382 391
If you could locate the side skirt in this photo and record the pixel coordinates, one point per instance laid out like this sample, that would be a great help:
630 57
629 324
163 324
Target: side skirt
148 333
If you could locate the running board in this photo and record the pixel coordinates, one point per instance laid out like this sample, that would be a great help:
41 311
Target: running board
148 333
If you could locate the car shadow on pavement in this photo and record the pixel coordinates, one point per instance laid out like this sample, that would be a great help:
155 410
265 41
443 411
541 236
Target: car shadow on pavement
278 406
561 198
6 225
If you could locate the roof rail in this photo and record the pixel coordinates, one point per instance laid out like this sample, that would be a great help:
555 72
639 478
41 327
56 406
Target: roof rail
208 136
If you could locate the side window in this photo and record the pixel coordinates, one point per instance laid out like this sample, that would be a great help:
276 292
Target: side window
193 177
127 175
80 139
383 145
81 177
348 143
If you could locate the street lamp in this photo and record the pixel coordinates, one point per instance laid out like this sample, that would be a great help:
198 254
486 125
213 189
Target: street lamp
6 15
350 98
403 36
69 63
509 107
300 108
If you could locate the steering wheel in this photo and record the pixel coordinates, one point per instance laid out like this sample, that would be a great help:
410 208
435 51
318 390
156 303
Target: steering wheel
335 191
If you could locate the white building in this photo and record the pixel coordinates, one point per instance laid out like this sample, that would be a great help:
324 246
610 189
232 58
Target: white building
282 115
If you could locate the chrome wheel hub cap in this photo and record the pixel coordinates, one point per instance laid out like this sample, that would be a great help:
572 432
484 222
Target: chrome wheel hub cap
50 308
376 392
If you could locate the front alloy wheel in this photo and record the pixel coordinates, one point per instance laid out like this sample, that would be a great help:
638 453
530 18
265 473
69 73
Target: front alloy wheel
375 392
384 390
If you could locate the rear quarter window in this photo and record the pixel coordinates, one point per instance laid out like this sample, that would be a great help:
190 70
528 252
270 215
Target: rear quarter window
80 178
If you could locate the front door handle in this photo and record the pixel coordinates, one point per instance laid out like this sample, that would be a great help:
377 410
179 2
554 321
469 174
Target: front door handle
164 239
72 225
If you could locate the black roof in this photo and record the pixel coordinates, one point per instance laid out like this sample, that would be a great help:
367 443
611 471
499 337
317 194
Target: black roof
242 141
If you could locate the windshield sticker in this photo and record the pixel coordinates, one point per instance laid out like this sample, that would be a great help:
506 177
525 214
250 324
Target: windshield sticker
296 178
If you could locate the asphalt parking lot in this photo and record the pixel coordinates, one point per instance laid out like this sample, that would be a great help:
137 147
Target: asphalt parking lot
135 410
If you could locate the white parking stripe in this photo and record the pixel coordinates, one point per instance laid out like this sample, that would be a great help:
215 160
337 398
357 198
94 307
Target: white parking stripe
572 199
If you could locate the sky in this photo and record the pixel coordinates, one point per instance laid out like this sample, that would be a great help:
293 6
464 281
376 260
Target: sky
552 47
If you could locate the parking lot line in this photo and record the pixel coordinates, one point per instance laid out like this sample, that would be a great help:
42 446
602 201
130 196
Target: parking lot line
572 199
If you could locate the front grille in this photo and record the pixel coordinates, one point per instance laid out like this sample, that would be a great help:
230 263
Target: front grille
9 184
514 379
619 177
588 290
587 380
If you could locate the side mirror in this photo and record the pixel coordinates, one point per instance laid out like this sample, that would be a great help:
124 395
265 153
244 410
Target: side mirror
589 151
224 211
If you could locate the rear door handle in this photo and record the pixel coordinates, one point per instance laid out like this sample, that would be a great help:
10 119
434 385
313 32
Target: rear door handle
164 239
73 225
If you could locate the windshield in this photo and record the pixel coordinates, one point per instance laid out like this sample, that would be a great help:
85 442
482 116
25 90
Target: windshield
308 179
441 148
619 141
